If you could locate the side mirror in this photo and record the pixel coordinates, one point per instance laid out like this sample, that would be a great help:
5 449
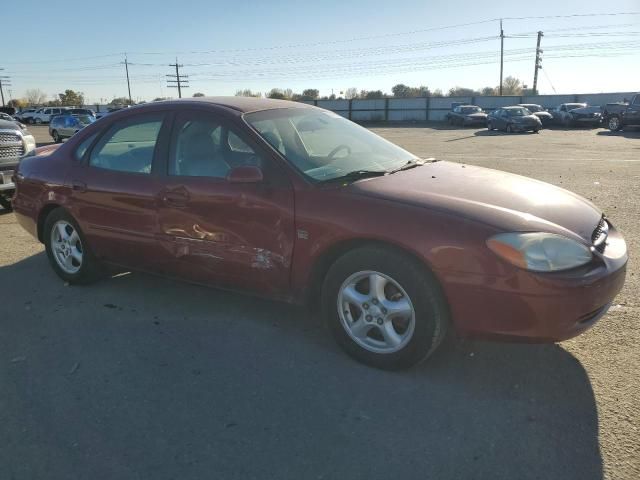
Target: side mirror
245 174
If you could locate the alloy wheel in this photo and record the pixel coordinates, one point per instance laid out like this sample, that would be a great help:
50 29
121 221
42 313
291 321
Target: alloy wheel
376 312
67 247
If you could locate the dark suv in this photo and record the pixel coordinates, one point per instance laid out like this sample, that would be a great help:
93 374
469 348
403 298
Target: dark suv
620 115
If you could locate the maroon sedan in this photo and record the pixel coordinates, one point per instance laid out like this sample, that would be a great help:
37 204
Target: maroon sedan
293 202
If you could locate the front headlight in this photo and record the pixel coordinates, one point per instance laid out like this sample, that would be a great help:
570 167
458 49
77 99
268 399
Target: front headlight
540 251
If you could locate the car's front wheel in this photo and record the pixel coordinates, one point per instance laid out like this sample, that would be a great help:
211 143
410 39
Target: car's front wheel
56 136
383 308
67 249
489 126
509 128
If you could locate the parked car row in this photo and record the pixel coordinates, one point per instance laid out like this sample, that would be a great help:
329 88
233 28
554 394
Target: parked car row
527 116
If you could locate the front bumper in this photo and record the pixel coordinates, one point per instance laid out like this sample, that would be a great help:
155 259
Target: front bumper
6 181
538 308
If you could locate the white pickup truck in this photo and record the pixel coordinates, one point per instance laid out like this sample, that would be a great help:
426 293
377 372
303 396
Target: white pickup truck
43 115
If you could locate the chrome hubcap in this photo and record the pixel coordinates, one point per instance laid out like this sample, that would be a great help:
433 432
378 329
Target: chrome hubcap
376 312
613 123
66 246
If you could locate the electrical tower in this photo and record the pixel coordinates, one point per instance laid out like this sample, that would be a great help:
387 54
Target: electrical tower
538 64
176 80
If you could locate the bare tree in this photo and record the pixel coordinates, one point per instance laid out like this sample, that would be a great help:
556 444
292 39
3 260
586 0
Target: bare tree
35 96
511 86
351 93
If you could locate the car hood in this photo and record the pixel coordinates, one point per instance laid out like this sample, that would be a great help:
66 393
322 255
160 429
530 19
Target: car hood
503 200
526 119
542 114
475 115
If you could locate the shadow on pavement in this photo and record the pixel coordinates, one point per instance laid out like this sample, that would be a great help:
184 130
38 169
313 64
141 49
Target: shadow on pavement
621 133
142 377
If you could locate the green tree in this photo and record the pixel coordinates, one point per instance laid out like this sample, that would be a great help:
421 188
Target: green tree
404 91
373 94
71 98
462 92
310 94
276 93
198 94
437 93
488 91
120 101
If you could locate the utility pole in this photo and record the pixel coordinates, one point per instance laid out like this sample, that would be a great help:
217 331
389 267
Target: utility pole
126 67
538 63
501 55
5 81
177 81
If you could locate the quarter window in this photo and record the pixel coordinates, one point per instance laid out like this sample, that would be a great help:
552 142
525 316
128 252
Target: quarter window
128 146
84 146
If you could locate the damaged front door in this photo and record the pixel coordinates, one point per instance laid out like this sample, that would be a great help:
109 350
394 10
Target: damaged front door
231 231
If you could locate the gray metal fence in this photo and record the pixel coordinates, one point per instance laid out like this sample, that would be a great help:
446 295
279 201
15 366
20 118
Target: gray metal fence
435 108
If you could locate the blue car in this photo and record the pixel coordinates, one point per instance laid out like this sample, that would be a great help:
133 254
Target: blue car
64 126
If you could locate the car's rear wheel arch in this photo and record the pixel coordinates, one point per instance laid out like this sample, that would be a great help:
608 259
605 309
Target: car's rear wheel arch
42 218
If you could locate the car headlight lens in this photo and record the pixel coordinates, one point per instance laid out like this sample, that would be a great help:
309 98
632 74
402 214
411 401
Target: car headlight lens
540 251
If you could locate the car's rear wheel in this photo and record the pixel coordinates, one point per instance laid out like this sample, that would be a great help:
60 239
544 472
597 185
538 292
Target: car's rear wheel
30 121
56 136
67 249
38 121
614 123
383 309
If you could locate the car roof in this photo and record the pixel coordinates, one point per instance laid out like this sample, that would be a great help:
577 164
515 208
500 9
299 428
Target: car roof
512 107
240 104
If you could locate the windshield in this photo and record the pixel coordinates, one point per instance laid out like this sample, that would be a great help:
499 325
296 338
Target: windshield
324 145
534 108
518 112
470 110
572 106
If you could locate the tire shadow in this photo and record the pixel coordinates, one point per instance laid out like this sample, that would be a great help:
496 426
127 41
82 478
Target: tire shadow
139 376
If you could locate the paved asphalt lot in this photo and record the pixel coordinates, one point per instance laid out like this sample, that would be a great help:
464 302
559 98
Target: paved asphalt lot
139 377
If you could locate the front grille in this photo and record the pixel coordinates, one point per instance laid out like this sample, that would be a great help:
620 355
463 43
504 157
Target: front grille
11 151
8 137
600 234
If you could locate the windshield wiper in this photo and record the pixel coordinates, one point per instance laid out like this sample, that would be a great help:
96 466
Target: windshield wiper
356 175
412 164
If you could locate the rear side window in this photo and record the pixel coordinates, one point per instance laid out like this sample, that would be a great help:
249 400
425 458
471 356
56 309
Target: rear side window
128 146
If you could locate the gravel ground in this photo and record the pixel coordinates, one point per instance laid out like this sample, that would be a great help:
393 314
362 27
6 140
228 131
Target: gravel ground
140 377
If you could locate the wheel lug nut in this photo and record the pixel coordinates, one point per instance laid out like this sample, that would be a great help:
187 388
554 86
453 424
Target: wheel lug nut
368 318
374 301
384 310
379 321
365 306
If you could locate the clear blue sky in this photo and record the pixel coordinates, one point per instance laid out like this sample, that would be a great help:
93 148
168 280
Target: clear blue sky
227 46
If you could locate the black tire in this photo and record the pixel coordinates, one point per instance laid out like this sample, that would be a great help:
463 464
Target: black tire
90 269
56 136
489 126
5 203
38 121
30 121
431 312
536 130
509 128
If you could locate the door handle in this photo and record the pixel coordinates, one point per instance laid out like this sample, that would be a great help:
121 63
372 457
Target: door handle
175 198
78 186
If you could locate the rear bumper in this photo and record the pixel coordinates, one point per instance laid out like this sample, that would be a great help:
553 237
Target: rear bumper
538 308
